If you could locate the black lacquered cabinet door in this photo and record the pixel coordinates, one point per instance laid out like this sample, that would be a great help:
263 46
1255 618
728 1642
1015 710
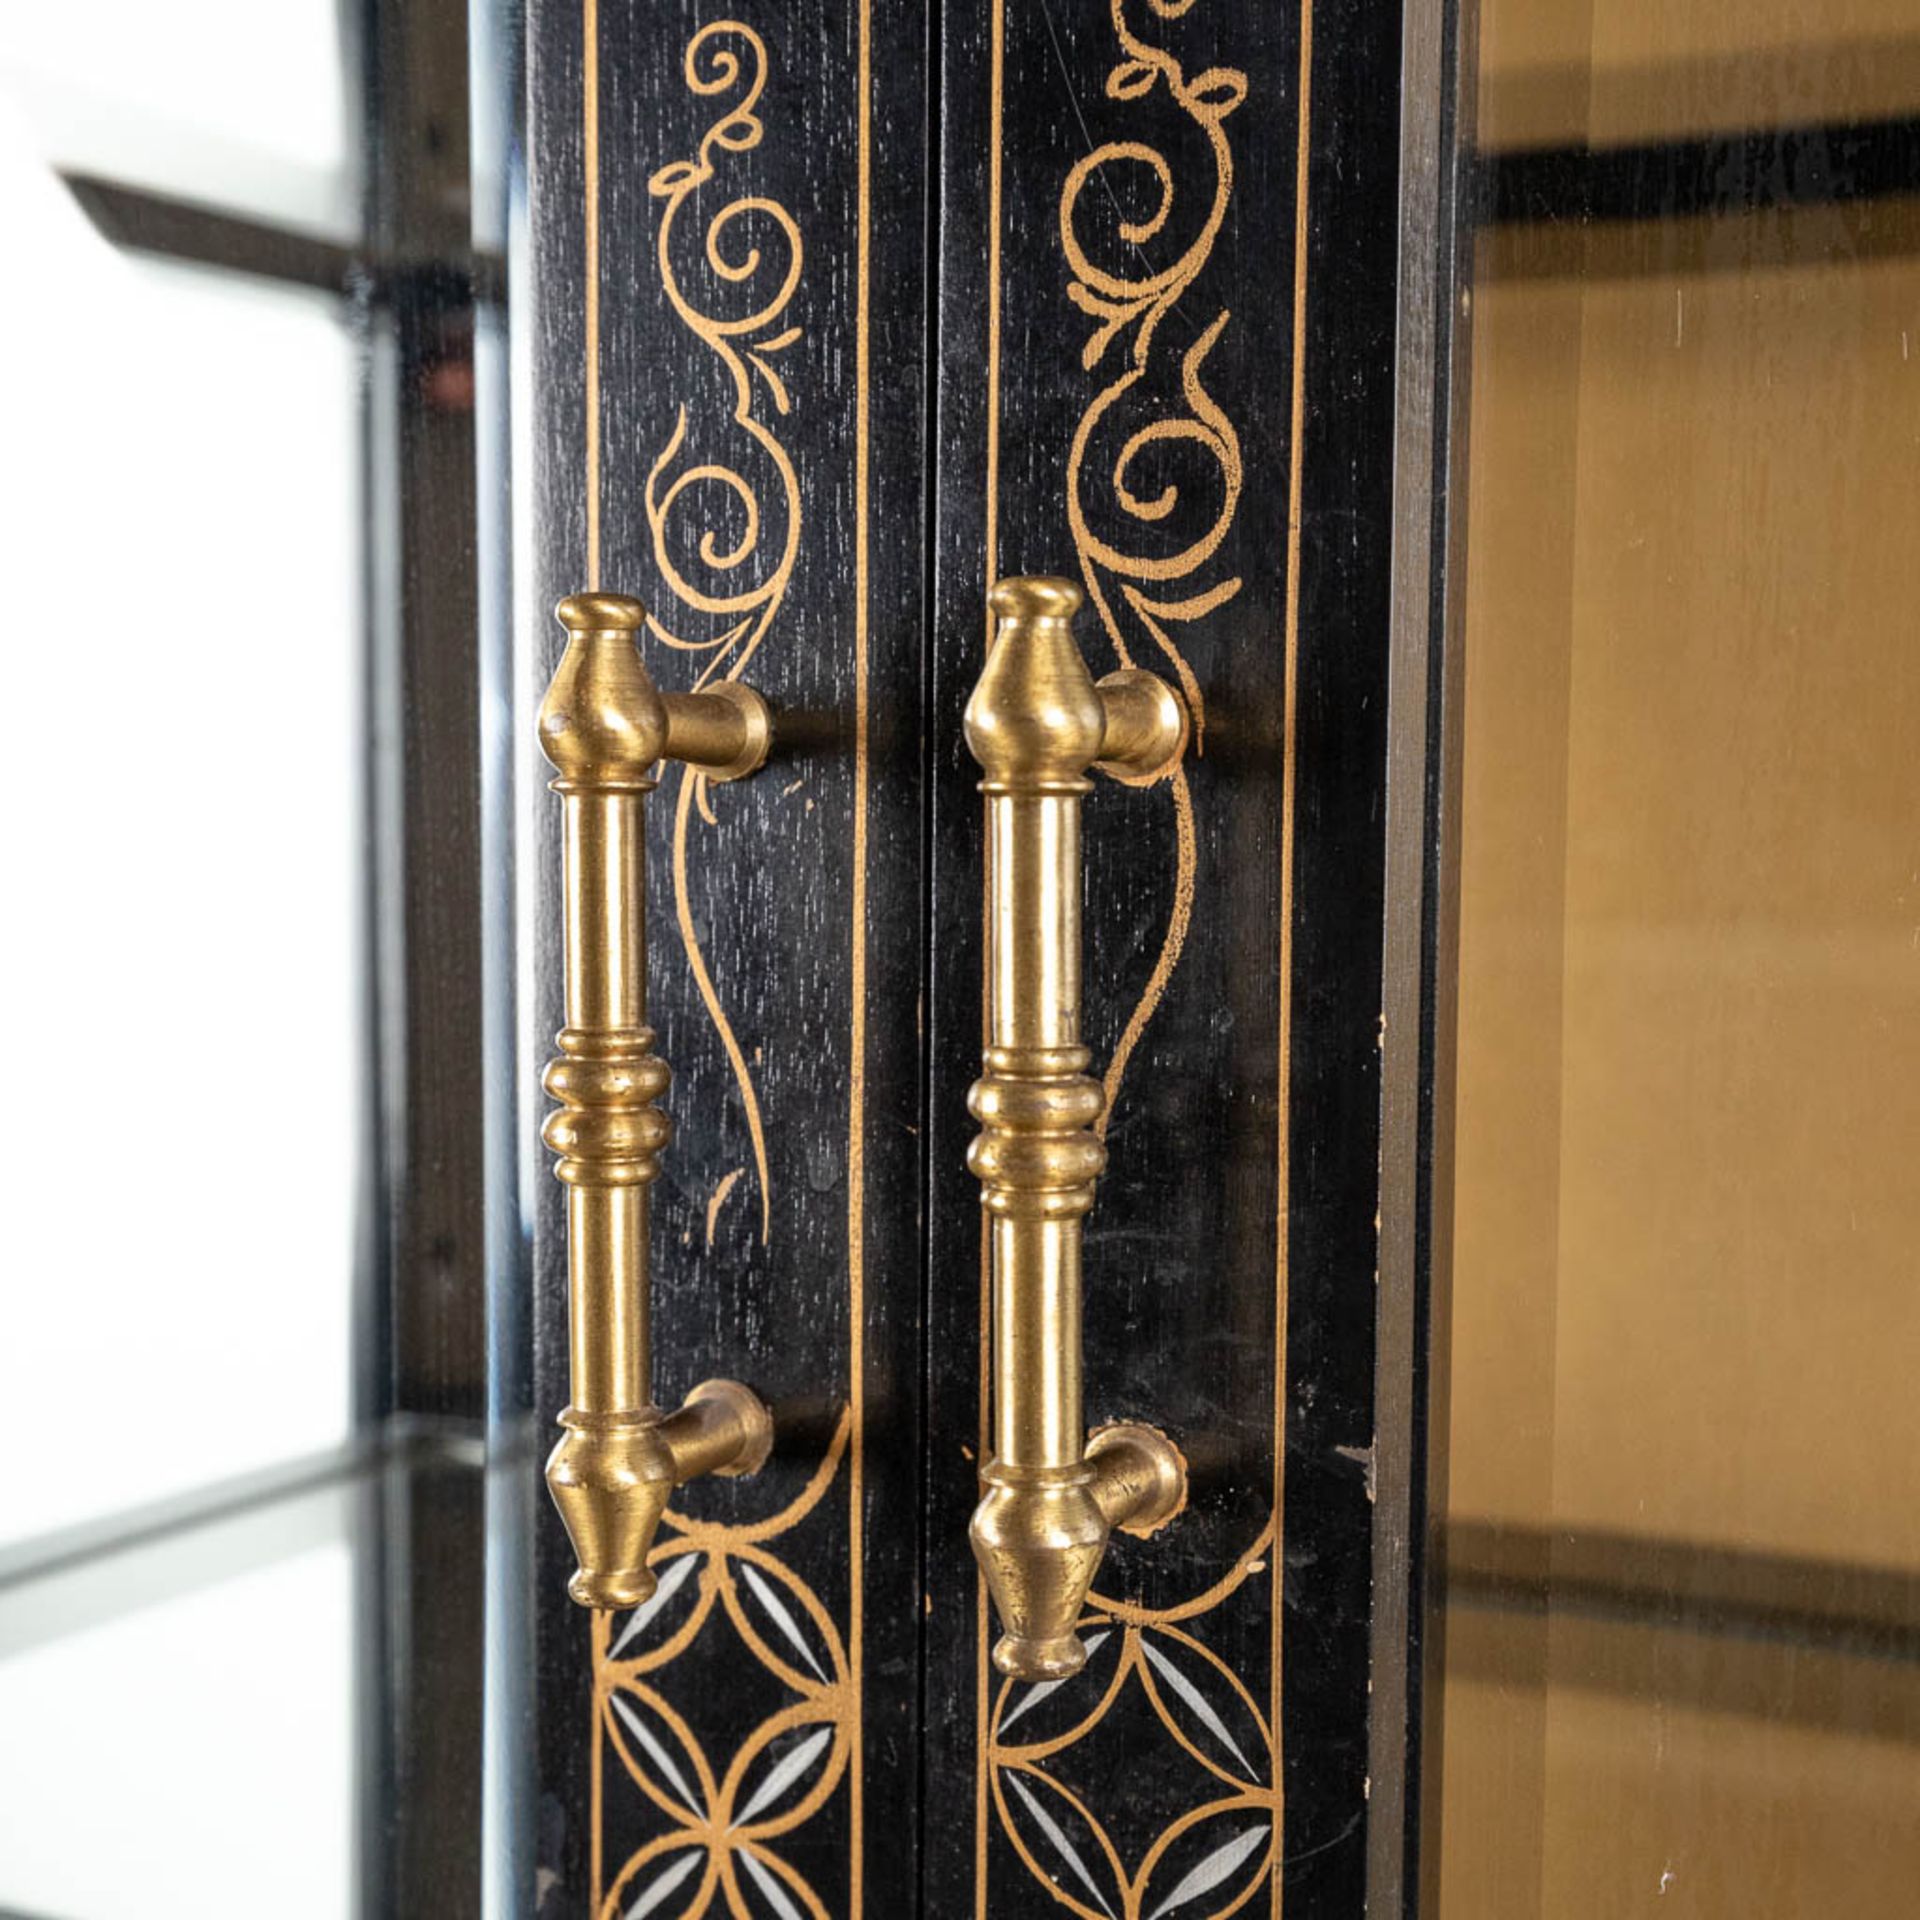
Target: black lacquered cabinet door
840 312
1187 219
729 402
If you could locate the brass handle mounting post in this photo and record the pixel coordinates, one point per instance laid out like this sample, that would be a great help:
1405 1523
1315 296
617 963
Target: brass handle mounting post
605 728
1036 722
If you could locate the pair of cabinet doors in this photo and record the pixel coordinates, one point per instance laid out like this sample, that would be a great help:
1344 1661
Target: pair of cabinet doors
841 309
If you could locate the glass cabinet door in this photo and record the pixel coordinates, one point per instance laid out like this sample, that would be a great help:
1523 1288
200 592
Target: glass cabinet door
178 481
1682 1492
243 1391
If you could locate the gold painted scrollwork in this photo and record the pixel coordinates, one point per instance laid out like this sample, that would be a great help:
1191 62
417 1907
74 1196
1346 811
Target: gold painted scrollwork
752 253
727 57
1158 591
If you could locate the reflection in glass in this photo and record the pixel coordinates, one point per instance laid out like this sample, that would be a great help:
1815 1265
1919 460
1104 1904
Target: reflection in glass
190 1757
179 873
224 102
1683 1532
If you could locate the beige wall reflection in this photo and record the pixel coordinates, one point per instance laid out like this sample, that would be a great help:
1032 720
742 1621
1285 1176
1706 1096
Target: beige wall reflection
1684 1639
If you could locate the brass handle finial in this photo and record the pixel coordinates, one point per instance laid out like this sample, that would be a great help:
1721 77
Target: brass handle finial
1036 722
605 728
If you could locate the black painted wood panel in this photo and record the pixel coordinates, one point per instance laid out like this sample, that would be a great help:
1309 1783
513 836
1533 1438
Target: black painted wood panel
729 405
1186 408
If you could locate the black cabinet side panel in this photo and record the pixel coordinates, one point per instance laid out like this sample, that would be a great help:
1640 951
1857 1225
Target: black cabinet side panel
1340 800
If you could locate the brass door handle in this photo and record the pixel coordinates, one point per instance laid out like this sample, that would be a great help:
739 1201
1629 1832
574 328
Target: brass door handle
1036 723
605 728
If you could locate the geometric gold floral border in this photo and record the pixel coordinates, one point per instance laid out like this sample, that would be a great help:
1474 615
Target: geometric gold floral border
1208 1859
722 1825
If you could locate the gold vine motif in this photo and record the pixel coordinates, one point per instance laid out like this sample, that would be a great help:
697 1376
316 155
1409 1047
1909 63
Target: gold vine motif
1140 301
1190 1690
724 58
